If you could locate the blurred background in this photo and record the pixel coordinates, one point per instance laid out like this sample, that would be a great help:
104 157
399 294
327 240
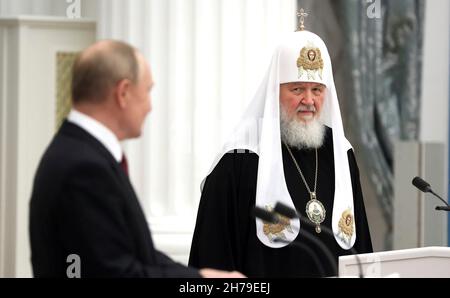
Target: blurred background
391 67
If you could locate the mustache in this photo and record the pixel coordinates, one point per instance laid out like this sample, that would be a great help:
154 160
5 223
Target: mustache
304 108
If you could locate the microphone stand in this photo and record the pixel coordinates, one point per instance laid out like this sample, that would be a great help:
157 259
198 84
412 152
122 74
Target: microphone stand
290 213
309 251
322 247
425 187
443 208
440 208
272 217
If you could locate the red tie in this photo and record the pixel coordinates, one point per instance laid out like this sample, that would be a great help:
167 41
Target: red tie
124 164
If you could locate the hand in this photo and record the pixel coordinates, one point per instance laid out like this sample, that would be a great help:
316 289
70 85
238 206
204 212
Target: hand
213 273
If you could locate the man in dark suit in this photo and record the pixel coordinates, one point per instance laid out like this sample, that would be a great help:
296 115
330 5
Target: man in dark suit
82 203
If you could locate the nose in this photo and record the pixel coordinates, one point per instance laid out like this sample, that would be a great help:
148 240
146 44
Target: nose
308 98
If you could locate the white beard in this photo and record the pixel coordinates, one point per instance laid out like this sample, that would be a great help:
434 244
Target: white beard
300 135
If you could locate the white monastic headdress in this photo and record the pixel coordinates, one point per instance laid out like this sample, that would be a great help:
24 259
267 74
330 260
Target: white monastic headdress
301 57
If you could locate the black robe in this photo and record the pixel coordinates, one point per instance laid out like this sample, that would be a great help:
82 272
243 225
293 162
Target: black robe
225 233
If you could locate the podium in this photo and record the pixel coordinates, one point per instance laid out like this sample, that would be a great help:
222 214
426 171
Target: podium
423 262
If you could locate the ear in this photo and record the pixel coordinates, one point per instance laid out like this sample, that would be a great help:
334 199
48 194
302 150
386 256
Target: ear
121 93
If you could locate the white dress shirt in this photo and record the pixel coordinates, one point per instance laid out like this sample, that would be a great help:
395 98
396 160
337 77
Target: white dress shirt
99 131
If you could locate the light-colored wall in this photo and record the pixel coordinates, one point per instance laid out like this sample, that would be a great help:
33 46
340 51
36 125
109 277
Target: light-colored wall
28 49
435 82
416 223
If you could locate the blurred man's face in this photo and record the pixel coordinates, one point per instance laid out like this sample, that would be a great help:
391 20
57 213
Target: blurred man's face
302 101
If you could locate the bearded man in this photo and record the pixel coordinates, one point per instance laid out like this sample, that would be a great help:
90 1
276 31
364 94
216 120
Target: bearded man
289 147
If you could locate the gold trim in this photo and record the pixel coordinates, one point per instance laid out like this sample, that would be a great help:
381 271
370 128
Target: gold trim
277 230
346 223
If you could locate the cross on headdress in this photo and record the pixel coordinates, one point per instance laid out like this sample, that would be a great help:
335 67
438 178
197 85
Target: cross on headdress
302 15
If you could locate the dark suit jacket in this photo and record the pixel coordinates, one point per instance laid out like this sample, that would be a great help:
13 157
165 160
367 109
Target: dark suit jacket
83 203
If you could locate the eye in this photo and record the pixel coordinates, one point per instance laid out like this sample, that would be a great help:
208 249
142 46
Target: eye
317 90
297 90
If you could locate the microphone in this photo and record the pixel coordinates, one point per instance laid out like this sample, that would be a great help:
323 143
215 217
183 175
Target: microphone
292 213
421 184
425 187
274 218
265 215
